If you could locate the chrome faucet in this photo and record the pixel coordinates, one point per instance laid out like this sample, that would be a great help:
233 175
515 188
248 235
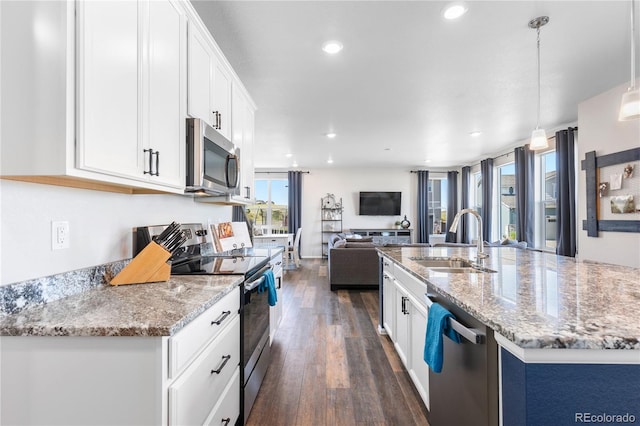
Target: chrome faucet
481 255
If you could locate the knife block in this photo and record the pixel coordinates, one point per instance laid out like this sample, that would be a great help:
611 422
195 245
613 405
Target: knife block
149 266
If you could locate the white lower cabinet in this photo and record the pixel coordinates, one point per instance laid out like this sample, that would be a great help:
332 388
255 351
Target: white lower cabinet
193 395
62 380
228 407
402 323
388 298
409 313
276 312
419 370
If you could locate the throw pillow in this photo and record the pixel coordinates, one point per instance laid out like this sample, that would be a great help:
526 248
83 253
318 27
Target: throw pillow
358 245
339 244
360 239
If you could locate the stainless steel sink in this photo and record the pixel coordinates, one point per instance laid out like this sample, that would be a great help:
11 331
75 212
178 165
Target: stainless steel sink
450 265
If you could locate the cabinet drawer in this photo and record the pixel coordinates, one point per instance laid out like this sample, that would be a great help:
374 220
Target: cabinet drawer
194 394
414 286
189 341
387 266
229 405
276 262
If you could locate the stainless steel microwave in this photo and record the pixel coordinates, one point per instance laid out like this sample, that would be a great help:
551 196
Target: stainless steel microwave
213 164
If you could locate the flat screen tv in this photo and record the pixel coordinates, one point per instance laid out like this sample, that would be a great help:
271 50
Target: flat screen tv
380 203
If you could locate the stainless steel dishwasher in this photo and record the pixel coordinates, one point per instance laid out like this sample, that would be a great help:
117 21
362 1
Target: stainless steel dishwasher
466 391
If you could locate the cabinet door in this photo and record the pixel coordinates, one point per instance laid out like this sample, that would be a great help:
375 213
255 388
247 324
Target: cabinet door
402 323
276 312
167 91
238 105
221 100
246 161
419 371
200 76
109 139
388 303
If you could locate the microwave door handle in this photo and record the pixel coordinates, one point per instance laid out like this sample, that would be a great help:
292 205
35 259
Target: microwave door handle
230 184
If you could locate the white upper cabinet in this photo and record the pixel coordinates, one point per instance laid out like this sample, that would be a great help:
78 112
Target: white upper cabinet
167 100
243 119
209 83
98 96
109 88
131 97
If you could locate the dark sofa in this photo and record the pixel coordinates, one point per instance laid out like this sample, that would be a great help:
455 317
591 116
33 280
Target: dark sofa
353 263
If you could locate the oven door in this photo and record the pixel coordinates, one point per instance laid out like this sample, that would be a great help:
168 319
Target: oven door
255 340
255 317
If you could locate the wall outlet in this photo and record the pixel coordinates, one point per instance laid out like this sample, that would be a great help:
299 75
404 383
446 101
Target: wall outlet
59 235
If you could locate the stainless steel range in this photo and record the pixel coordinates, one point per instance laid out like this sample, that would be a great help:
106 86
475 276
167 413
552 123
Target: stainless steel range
196 257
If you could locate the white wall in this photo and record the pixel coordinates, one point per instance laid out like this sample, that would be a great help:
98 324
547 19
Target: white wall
100 225
346 183
600 131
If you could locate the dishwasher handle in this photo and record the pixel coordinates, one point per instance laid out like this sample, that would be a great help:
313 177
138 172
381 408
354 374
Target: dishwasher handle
473 335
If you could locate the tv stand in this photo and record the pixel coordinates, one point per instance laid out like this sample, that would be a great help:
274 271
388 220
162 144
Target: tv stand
386 236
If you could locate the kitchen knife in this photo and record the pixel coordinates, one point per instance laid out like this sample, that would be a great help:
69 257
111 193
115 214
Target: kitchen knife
168 231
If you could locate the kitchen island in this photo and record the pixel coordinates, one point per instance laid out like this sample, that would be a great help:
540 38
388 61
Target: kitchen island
567 332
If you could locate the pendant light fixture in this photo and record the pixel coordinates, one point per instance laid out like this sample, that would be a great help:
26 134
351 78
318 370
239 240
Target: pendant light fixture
630 105
538 136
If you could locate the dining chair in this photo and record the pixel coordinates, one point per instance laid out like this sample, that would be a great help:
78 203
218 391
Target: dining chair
293 251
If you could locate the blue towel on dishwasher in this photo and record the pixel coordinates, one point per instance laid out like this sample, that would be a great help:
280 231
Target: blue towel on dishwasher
437 326
270 284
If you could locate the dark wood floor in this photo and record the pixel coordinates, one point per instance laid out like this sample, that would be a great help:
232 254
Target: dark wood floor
329 366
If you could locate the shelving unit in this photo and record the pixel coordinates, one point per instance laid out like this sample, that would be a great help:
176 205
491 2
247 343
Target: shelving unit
386 236
330 219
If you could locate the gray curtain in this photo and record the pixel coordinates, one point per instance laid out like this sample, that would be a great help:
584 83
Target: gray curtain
464 226
295 201
237 214
525 202
566 193
423 206
452 204
486 170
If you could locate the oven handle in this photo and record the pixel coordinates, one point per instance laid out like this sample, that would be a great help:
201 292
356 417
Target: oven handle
250 285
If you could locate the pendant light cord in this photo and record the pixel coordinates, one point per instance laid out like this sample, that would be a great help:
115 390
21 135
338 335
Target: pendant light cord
538 122
633 47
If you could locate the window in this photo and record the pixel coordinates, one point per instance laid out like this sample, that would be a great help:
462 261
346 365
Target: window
507 198
548 197
475 202
437 196
270 213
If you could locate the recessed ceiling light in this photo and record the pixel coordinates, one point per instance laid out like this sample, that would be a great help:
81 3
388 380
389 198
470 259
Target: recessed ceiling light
288 155
295 164
475 133
331 135
427 161
454 10
330 161
332 47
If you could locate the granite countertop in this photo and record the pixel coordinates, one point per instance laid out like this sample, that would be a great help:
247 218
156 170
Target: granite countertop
153 309
540 300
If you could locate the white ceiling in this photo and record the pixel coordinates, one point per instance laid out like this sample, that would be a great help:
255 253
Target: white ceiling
410 86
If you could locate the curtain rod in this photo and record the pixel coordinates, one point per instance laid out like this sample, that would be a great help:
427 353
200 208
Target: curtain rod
433 171
511 152
286 171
